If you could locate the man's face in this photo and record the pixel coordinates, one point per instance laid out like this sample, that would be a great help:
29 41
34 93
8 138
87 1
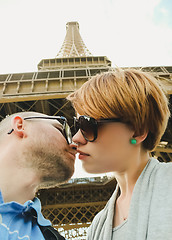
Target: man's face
47 151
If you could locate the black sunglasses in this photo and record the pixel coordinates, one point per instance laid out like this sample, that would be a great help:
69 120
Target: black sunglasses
89 126
66 131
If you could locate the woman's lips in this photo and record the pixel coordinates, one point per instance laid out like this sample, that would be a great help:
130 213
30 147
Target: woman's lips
82 155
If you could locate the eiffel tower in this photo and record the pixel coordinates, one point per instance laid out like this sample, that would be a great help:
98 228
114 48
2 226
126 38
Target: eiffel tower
45 91
73 45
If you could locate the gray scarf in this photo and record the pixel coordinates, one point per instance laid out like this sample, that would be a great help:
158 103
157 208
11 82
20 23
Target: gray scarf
150 214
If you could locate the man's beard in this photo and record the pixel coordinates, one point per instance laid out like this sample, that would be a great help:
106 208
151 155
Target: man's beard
54 167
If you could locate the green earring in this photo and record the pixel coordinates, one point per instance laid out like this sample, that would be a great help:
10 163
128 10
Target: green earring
133 141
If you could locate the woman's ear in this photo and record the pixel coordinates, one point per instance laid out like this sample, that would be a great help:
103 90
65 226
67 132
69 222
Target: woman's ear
141 138
17 125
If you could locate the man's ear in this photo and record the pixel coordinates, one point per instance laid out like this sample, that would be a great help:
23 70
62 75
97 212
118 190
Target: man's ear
17 125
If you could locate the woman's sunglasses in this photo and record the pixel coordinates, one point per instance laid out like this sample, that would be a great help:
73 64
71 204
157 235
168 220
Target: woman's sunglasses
89 126
66 131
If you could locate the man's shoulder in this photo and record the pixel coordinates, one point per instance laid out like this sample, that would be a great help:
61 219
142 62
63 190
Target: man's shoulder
51 233
20 221
47 230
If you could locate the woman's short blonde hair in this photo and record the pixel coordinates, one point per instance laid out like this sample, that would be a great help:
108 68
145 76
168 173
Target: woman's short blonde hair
132 95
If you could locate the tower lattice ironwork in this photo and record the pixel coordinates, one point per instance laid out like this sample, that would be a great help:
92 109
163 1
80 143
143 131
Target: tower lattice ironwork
74 205
73 45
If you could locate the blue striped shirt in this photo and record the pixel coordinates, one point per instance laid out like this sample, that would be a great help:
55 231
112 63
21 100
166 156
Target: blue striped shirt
18 221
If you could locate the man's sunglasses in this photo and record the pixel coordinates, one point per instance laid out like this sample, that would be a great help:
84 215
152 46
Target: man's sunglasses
66 131
89 126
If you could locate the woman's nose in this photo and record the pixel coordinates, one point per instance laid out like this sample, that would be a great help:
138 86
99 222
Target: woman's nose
78 138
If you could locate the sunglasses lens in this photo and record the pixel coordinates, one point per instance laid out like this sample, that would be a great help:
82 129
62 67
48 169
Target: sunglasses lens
76 125
68 133
88 127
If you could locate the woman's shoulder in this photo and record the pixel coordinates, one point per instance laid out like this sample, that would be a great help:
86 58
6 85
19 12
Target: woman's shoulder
101 217
161 166
165 166
97 223
164 173
100 214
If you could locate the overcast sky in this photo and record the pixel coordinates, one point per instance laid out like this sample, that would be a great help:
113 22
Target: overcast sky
128 32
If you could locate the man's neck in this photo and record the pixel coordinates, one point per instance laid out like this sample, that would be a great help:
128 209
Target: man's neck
17 183
20 187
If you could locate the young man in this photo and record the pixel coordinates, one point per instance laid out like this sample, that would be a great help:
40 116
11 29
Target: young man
36 151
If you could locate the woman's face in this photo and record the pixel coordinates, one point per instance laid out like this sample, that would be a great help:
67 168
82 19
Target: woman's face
109 152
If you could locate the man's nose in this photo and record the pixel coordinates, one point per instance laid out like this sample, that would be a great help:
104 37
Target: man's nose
74 145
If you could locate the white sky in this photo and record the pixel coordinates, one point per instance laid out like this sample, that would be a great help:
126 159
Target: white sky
128 32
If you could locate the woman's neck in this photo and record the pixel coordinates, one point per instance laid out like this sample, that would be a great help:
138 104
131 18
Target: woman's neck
127 179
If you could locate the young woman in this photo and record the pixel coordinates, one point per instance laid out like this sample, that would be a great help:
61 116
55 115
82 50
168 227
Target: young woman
121 117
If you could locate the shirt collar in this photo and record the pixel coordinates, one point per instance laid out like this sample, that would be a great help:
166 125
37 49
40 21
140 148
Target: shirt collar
1 198
15 207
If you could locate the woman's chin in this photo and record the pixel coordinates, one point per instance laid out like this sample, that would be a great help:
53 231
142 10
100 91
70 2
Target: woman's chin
92 170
